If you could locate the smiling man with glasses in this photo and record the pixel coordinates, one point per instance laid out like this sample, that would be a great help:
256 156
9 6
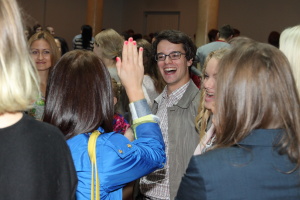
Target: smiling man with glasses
177 108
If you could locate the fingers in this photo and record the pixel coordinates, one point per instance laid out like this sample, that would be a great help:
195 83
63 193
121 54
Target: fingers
125 52
135 53
132 58
140 57
118 64
129 53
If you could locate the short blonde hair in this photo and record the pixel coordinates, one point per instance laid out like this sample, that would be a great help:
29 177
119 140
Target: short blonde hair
289 44
18 76
111 42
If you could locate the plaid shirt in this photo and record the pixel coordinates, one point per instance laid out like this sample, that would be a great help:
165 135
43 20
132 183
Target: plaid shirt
156 185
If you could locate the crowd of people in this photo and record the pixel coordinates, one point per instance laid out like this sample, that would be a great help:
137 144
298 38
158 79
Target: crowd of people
120 117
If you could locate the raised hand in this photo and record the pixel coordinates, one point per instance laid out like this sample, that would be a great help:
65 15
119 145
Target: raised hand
131 70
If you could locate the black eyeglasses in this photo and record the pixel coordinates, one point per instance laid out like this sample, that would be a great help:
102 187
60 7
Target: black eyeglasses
175 55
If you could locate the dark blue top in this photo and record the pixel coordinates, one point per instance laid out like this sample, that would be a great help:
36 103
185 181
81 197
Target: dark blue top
250 170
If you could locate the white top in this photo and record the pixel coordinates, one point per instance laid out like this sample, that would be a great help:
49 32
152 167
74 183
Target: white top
149 90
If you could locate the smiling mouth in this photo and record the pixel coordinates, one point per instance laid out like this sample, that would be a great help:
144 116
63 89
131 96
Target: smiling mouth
210 94
170 70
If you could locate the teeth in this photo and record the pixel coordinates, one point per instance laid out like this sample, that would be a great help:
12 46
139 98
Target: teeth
169 69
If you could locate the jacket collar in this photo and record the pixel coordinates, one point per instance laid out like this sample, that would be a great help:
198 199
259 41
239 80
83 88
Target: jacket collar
190 93
263 137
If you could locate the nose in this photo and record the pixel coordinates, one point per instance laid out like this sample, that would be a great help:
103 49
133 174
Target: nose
40 56
168 59
209 83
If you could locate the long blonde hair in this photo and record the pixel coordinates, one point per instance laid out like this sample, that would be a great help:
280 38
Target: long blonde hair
203 113
18 76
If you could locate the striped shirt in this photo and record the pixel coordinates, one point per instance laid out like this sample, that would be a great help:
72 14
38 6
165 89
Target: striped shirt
156 185
77 43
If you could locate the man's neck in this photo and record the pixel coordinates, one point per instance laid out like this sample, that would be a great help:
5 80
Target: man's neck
172 88
221 40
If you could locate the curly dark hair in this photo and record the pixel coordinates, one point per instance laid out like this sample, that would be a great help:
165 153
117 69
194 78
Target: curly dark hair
176 37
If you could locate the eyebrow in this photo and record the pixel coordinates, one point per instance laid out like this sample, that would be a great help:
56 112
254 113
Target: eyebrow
38 49
170 52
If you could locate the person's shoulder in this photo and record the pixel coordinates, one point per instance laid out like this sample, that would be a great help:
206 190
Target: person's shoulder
43 135
219 44
193 91
119 144
116 139
147 78
39 126
202 47
148 81
213 157
77 36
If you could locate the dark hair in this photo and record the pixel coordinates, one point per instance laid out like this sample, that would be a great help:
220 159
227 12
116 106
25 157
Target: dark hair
63 44
212 35
236 32
226 31
273 38
137 36
150 65
177 37
86 35
79 95
36 26
125 35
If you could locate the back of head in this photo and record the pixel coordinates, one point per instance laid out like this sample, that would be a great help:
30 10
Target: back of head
226 32
55 54
212 35
273 38
290 45
236 32
256 90
111 43
150 67
18 76
64 45
147 53
37 28
86 35
69 104
239 41
115 88
50 30
176 37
